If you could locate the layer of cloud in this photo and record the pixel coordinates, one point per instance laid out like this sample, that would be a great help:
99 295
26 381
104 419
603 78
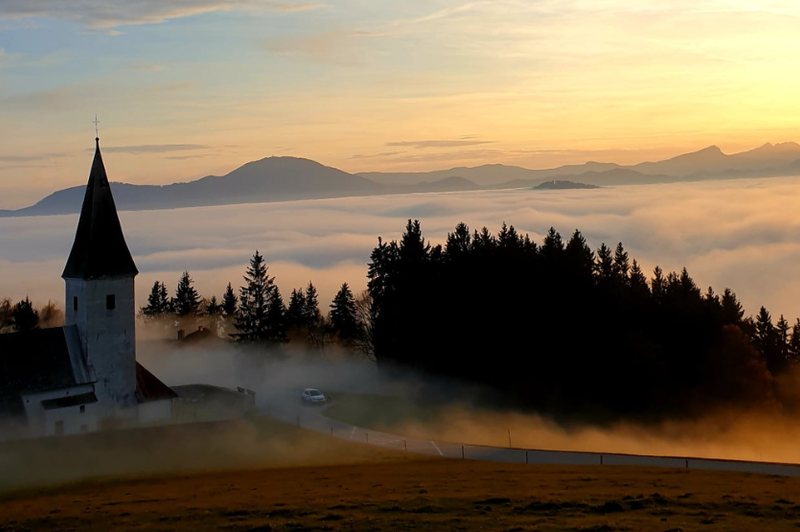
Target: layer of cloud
107 14
742 234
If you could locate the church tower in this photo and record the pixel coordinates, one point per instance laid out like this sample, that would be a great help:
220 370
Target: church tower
99 278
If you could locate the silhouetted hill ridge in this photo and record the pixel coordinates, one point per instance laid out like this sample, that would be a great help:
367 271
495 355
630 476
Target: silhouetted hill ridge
294 178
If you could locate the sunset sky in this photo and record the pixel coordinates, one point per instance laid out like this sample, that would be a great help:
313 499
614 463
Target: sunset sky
185 88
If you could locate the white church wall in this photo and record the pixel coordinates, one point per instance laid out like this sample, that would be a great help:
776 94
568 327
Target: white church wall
42 422
108 336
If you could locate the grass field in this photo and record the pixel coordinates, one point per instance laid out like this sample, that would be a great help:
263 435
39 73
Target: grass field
254 442
261 475
434 494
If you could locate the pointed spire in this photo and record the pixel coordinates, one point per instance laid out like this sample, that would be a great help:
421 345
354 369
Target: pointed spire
99 249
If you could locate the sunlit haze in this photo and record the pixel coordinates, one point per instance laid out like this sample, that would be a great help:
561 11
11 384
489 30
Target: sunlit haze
189 88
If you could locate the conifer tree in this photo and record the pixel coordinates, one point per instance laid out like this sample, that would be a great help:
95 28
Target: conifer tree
311 313
295 314
413 248
343 314
24 317
604 266
732 311
509 242
658 285
230 302
251 321
186 300
276 317
638 281
158 303
621 266
458 243
553 246
580 254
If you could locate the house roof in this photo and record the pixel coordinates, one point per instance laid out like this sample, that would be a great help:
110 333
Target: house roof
99 249
33 361
149 388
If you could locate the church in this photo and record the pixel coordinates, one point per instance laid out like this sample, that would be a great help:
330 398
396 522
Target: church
84 377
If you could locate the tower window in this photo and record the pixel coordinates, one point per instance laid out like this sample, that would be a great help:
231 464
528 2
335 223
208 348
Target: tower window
83 409
111 301
75 303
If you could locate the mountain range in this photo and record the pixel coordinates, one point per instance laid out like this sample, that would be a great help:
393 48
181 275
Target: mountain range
290 178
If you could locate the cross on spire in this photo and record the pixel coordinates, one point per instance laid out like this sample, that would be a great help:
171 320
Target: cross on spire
96 133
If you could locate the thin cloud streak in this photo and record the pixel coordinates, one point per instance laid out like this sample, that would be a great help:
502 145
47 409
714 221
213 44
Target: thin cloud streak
99 15
153 148
422 144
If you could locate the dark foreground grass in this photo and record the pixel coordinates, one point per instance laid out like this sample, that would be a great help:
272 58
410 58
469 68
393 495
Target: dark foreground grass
254 442
430 494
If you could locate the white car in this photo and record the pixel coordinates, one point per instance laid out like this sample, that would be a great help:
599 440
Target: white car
311 395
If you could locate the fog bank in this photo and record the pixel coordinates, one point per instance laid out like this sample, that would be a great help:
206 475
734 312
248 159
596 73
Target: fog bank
744 234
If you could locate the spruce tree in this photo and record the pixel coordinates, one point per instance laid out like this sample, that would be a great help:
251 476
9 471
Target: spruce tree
732 310
413 248
604 266
229 302
158 303
295 314
311 312
276 317
458 243
638 281
658 285
186 300
343 314
579 254
621 266
252 320
553 246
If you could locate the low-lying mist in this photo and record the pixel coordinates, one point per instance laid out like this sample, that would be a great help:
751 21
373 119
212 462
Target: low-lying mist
278 377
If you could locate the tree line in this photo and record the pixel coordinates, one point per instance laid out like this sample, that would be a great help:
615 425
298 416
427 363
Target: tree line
561 328
24 316
257 314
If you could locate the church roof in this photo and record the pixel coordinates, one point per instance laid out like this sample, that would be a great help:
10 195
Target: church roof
99 249
33 361
149 388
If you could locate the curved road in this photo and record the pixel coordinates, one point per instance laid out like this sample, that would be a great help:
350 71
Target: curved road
311 417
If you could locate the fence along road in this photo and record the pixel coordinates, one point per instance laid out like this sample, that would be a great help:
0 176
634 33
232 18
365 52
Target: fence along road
310 418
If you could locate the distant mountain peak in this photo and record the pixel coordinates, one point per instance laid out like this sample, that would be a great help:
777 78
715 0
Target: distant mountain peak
711 149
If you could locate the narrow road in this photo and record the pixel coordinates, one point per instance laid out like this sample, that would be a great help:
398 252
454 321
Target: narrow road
311 417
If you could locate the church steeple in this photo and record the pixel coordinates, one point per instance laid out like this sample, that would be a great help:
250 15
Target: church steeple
99 250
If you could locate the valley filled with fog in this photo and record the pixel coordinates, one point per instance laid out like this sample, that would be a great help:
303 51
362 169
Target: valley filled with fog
743 234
